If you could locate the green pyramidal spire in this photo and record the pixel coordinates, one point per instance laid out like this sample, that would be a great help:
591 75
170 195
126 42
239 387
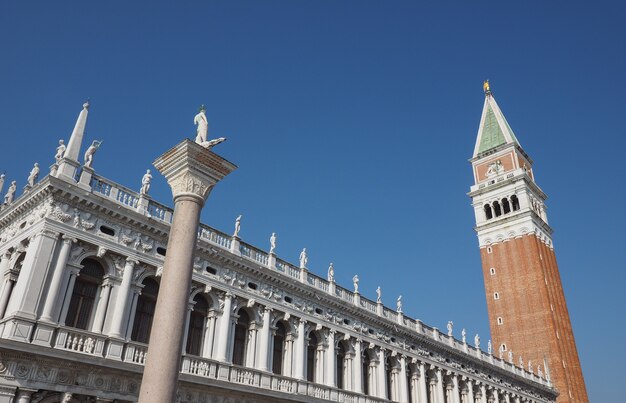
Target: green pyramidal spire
494 130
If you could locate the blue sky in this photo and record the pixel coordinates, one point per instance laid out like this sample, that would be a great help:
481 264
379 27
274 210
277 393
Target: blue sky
351 124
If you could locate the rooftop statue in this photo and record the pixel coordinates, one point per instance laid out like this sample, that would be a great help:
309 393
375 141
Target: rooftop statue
8 198
331 273
2 181
379 295
477 341
60 151
355 281
145 183
489 347
237 226
399 304
88 160
304 259
202 131
486 87
449 326
463 335
34 174
273 242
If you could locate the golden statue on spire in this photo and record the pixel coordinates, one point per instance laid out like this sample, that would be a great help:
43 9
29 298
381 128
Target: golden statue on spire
486 87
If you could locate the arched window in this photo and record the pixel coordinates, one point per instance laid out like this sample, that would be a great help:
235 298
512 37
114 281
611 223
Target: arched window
365 373
506 207
311 352
84 294
488 213
496 209
341 357
278 348
144 313
241 337
197 323
515 203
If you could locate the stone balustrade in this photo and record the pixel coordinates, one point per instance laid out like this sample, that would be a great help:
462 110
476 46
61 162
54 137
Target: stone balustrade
129 198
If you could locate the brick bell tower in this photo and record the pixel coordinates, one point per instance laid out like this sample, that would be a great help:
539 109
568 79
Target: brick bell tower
527 309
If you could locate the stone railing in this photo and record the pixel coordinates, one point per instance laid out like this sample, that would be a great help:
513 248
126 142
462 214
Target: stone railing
131 199
252 377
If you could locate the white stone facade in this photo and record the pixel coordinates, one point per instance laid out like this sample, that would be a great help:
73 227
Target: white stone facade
81 264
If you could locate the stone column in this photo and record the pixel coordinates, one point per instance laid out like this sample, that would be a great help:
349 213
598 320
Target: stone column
186 328
23 395
483 394
265 340
191 171
440 395
224 327
6 293
404 386
423 393
455 389
133 310
4 266
470 391
300 351
496 396
101 310
50 305
331 357
209 333
123 296
358 367
382 375
74 272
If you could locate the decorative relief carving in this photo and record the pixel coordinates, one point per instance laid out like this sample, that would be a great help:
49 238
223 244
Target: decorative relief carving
189 183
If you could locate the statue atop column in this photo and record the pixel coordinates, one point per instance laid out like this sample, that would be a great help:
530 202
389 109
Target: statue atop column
237 226
449 326
304 259
355 281
34 174
399 304
489 347
146 180
88 160
60 151
379 295
273 243
2 181
331 273
8 198
202 130
477 341
463 335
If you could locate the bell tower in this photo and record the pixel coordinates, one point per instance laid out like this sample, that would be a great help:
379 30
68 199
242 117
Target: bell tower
527 310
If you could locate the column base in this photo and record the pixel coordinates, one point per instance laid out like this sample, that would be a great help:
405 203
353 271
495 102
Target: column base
114 349
44 334
17 329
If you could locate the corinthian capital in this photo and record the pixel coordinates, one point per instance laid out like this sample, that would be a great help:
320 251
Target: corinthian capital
191 170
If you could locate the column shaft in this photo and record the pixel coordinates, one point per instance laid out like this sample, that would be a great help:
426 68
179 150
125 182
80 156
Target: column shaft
160 381
423 393
103 303
382 375
123 295
224 327
331 356
50 305
300 351
68 296
6 293
265 341
358 367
